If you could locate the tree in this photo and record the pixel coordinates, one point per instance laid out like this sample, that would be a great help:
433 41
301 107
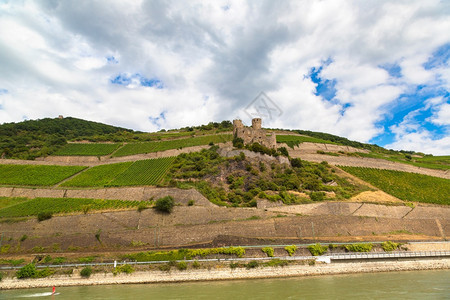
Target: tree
165 204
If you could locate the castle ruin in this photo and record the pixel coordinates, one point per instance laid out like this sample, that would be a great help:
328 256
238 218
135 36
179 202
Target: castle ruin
254 134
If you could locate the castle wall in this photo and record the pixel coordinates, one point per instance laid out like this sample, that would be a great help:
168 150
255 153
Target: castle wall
254 134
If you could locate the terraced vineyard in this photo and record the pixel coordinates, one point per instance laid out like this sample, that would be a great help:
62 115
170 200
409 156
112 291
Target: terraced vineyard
295 140
148 147
32 207
144 172
406 186
98 176
87 149
36 175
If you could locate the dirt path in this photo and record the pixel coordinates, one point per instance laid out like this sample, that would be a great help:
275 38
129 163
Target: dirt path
369 163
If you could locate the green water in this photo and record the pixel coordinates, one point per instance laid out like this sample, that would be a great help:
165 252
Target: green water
397 285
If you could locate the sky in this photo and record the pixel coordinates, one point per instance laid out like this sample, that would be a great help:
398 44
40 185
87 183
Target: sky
372 71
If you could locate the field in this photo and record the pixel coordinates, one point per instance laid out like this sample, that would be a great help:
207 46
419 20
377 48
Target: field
295 140
144 172
148 147
36 175
406 186
87 149
31 207
98 176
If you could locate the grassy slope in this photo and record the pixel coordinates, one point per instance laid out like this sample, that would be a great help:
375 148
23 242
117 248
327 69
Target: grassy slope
406 186
36 175
87 149
141 148
31 207
98 176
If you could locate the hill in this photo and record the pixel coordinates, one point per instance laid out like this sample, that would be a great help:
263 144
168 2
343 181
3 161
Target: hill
33 138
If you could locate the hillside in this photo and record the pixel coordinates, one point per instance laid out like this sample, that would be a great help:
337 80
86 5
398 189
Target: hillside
33 138
98 190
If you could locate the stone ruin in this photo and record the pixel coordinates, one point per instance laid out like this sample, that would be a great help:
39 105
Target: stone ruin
254 134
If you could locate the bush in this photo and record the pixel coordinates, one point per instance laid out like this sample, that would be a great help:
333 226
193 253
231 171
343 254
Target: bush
191 202
128 269
283 151
165 204
389 246
238 143
317 196
359 247
317 249
268 250
1 276
234 265
276 263
27 271
290 249
196 265
165 267
23 238
86 272
182 265
252 264
42 216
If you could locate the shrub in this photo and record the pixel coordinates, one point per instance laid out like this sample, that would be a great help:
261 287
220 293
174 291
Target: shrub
268 250
238 143
86 272
1 276
296 163
252 264
191 202
196 265
182 265
128 269
290 249
317 249
317 196
234 265
164 267
389 246
283 151
42 216
165 204
276 263
359 247
142 206
27 271
23 238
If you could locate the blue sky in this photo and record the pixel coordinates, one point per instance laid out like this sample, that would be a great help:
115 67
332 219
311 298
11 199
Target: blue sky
371 71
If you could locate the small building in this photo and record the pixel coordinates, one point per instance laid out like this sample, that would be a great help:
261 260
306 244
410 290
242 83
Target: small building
254 134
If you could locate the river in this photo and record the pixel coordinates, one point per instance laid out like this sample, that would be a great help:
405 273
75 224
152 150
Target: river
393 285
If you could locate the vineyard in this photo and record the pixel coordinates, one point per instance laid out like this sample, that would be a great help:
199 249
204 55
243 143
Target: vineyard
406 186
36 175
87 149
144 172
295 140
148 147
33 207
98 176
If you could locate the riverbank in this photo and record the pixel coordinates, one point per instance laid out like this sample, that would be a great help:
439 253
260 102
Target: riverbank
223 272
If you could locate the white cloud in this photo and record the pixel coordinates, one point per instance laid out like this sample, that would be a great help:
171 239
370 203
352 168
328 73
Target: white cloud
213 58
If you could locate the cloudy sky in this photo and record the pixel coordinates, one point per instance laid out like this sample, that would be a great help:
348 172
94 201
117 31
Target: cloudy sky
372 71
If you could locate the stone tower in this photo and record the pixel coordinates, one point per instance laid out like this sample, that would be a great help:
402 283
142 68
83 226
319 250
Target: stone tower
256 123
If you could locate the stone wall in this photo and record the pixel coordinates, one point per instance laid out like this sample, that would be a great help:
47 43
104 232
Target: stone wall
254 134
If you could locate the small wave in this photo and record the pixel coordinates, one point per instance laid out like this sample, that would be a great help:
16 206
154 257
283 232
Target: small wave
37 295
